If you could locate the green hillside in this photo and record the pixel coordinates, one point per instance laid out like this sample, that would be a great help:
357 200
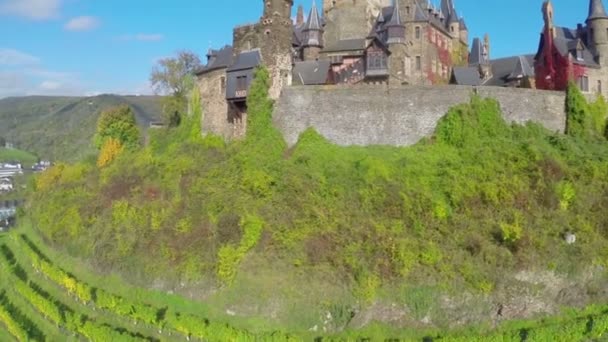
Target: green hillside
24 157
61 128
463 234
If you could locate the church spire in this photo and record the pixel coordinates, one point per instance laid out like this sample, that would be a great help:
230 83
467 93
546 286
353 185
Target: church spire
596 10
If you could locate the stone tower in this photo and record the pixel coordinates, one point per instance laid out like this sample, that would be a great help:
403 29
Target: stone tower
597 22
275 41
396 44
350 19
313 34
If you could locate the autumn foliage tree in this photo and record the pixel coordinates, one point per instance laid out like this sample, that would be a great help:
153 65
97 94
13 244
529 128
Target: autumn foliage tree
116 130
109 151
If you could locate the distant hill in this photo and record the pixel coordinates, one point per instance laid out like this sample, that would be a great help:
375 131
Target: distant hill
61 128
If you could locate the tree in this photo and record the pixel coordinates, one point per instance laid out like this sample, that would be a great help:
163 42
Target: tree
109 151
170 75
117 123
174 76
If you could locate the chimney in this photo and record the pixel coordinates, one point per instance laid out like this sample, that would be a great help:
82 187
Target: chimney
300 16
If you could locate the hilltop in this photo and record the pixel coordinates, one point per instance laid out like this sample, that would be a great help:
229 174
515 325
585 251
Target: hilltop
472 226
61 128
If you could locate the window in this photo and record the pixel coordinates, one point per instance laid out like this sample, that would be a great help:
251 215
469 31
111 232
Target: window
417 32
222 84
433 35
599 87
434 65
241 86
407 66
376 60
418 63
407 10
583 83
579 54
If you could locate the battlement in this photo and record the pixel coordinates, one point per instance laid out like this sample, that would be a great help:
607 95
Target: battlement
400 115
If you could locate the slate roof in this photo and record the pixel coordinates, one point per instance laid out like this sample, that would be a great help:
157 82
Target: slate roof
346 45
596 10
476 56
466 76
311 72
504 68
246 60
566 42
218 59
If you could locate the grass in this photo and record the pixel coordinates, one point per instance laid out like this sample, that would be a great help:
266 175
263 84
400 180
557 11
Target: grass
25 158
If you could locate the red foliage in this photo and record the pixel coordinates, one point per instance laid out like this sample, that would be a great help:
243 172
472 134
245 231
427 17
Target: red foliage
553 70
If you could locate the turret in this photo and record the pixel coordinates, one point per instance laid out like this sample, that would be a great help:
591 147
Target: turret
464 32
452 20
597 21
313 34
395 27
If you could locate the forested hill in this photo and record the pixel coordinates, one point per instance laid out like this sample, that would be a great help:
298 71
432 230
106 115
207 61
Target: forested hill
61 128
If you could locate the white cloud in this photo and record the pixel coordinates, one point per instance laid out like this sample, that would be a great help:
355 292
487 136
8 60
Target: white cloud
84 23
13 57
31 9
50 85
143 37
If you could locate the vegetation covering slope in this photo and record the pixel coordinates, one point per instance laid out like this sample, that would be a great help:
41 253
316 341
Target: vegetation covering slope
61 128
463 211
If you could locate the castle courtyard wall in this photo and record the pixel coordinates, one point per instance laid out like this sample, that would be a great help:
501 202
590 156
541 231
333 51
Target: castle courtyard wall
400 116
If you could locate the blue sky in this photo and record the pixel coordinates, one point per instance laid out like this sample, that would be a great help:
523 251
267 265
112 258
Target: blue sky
85 47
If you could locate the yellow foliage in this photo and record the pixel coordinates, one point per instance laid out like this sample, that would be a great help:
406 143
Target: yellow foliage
49 177
109 151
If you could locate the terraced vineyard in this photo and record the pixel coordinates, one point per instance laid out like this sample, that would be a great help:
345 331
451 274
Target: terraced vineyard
40 301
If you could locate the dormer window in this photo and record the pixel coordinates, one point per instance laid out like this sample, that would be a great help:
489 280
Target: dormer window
579 54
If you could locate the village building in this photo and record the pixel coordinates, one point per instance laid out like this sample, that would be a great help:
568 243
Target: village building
6 185
578 54
347 42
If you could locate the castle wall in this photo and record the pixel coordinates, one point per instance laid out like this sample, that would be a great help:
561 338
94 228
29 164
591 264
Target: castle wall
213 102
400 116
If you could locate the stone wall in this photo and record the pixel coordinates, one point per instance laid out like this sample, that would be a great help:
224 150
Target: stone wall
400 116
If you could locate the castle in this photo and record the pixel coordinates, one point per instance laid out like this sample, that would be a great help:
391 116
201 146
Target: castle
353 42
391 43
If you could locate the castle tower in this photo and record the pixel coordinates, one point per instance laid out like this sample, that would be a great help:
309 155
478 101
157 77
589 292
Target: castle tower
452 20
275 36
395 27
597 21
280 8
396 45
350 19
313 34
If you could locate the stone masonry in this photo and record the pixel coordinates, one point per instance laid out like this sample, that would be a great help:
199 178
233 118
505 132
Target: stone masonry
400 116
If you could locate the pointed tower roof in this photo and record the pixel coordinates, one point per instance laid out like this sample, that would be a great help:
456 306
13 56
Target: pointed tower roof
463 25
448 9
314 21
395 16
596 10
